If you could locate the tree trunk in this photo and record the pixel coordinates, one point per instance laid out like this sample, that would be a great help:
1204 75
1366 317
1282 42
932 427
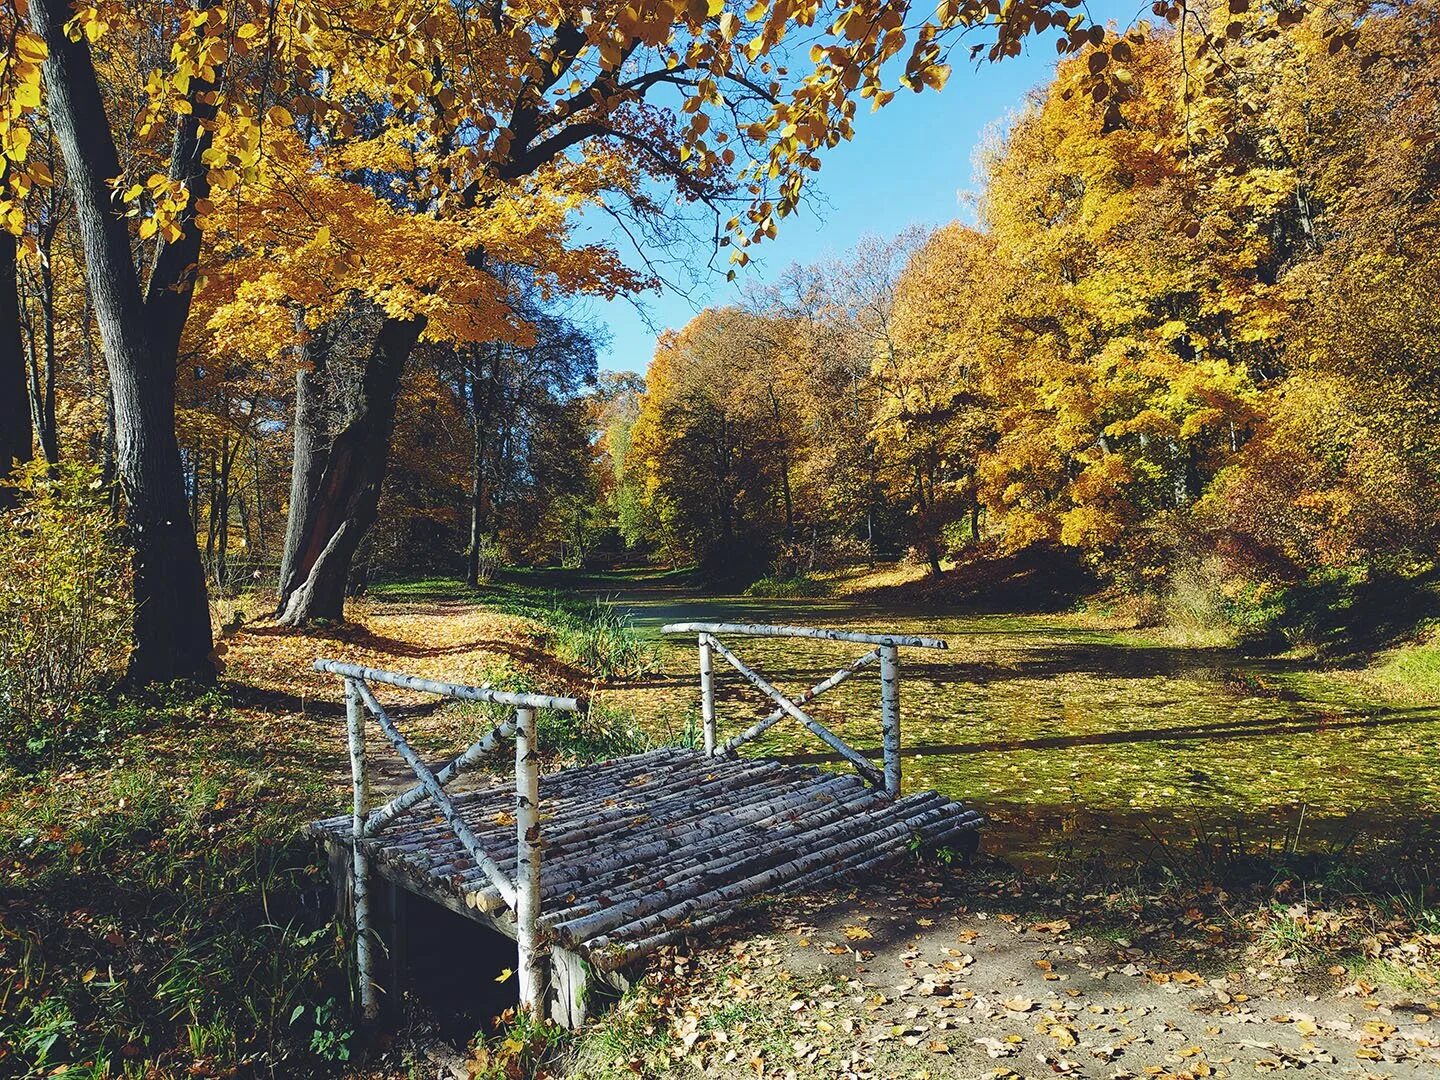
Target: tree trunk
329 524
140 333
16 435
479 483
311 449
42 388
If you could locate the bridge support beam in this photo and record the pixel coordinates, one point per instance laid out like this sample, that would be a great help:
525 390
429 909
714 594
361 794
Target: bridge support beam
707 694
890 715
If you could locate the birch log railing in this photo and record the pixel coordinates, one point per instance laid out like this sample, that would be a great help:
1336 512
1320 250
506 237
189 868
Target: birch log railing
886 650
520 894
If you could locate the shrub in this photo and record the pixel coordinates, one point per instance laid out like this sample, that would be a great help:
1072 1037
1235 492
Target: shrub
797 586
65 605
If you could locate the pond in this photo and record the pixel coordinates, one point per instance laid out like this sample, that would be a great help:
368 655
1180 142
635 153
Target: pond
1072 739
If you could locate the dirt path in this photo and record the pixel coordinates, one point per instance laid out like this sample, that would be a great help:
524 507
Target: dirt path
909 985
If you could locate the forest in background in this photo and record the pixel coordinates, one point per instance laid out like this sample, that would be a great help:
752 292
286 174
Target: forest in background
1185 343
1197 350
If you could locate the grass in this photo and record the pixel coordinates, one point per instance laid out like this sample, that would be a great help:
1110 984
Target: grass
588 634
157 916
591 635
1409 673
788 587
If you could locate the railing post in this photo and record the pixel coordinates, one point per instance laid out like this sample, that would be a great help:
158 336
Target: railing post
527 869
707 695
890 715
360 867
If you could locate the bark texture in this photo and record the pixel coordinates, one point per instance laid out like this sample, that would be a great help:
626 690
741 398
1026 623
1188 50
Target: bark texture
338 480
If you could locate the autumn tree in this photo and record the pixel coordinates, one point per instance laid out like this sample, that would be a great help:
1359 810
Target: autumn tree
614 410
714 461
934 418
278 132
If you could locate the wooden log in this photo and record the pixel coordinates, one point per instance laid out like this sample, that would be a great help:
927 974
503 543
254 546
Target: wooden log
752 866
619 955
890 715
685 791
740 888
527 874
696 839
859 761
569 989
759 630
406 799
437 793
706 857
437 839
596 804
707 696
660 836
464 693
360 888
866 861
762 726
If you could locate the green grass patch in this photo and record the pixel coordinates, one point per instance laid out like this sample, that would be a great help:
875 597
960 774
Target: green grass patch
788 587
586 633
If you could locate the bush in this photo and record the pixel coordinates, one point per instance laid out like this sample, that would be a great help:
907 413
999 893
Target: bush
65 605
776 587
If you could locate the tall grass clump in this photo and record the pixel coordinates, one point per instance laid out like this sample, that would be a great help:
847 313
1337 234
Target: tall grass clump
787 587
593 636
65 605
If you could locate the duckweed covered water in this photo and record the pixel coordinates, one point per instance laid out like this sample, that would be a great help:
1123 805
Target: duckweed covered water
1072 739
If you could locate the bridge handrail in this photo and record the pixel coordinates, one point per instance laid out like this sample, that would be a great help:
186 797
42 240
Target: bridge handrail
764 630
522 894
887 651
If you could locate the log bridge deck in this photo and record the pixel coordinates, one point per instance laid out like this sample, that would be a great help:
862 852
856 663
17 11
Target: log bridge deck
595 867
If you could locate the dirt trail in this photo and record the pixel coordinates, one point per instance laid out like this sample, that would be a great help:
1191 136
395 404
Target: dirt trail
890 985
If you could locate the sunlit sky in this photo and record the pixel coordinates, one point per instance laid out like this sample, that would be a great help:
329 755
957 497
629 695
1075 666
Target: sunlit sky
909 164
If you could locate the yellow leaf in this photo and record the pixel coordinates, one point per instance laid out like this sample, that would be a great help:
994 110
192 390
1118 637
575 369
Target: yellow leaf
504 975
31 47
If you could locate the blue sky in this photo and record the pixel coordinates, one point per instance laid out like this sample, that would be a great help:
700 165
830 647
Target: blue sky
907 165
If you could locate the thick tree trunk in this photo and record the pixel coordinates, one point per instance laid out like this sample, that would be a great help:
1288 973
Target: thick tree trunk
140 333
16 435
338 511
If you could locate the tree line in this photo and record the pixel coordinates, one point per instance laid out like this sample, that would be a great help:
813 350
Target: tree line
250 250
1198 331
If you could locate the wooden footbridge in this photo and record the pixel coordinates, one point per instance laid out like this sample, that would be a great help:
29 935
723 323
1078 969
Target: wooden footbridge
593 868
